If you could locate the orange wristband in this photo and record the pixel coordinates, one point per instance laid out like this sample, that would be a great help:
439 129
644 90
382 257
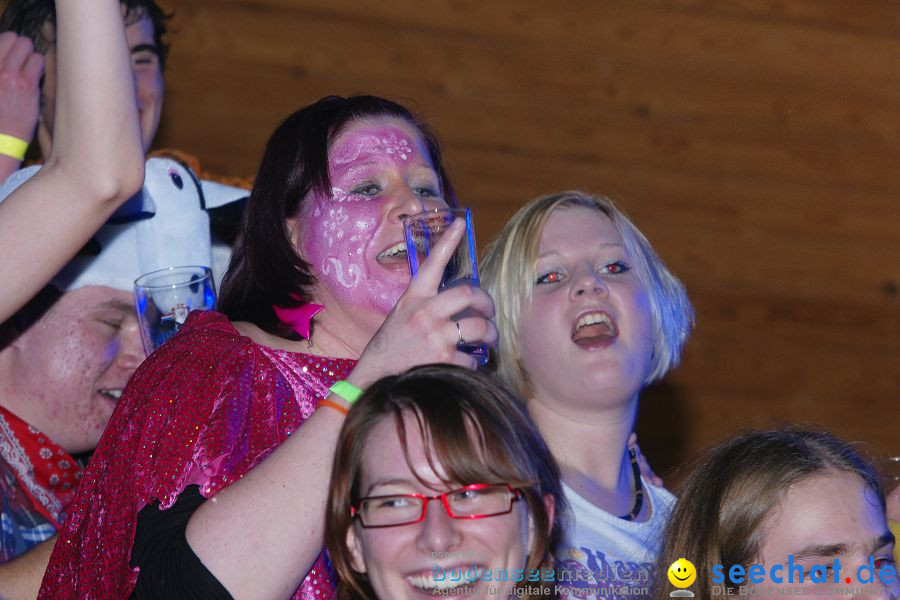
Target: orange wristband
334 405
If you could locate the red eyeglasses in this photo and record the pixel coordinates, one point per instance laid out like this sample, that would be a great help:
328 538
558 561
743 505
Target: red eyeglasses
476 501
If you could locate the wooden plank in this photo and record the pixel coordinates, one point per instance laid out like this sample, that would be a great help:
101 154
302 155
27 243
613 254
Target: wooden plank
756 142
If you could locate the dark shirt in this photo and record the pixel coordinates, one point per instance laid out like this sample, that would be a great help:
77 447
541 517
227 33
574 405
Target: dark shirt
168 566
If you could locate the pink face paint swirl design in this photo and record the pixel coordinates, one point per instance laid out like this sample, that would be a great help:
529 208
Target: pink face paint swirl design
388 141
349 237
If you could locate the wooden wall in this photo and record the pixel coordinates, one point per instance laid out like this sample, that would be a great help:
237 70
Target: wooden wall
755 142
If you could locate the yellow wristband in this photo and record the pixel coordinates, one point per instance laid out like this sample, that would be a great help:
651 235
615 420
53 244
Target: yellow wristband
346 390
13 146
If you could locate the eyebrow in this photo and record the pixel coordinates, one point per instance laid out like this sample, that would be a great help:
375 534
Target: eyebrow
357 165
117 305
391 481
375 162
820 550
604 246
886 538
829 550
145 48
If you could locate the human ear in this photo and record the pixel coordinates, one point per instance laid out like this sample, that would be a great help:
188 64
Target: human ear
292 227
550 506
354 545
550 509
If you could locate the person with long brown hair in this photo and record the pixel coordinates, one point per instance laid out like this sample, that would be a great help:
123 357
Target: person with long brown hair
441 485
780 498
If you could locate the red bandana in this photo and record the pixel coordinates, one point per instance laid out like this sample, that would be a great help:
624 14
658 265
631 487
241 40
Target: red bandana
46 472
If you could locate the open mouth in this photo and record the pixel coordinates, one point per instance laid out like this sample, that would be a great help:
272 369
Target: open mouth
113 394
594 328
451 584
395 253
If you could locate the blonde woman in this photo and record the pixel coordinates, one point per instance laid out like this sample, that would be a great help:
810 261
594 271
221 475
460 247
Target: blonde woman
588 315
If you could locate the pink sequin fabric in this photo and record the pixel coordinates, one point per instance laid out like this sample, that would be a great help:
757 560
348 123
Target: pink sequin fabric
204 409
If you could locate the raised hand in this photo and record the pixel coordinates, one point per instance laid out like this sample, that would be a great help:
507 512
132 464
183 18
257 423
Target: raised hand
20 74
97 160
421 328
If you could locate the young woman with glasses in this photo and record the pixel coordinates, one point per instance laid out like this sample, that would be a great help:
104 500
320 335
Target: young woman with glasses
441 485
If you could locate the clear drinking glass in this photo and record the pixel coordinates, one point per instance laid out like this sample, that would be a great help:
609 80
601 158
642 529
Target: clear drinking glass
164 298
422 231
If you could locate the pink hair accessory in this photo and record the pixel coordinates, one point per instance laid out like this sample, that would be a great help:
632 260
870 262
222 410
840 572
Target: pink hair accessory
298 317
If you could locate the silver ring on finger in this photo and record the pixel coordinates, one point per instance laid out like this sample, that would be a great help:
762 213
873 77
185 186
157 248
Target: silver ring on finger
459 334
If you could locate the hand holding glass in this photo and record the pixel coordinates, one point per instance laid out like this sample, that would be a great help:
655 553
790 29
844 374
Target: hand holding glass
422 231
164 298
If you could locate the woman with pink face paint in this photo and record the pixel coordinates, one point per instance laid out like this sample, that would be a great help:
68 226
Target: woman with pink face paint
589 315
317 303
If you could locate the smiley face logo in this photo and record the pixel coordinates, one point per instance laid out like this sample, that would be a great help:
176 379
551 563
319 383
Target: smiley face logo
682 573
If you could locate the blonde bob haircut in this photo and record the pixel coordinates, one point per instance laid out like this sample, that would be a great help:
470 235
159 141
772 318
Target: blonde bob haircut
507 273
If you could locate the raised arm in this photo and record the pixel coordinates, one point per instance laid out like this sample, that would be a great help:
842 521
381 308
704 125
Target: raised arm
97 159
20 74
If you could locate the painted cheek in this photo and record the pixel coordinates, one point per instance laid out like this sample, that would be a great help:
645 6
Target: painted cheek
354 263
341 253
341 235
344 228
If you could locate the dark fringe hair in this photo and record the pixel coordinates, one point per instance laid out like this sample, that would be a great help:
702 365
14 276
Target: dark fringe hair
28 17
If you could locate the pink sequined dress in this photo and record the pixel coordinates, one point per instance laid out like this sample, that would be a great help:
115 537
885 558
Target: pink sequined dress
204 409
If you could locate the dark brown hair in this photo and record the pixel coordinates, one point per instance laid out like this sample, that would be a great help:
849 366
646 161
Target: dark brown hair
265 268
477 433
724 503
28 17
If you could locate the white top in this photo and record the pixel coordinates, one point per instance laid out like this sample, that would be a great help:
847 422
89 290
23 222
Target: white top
602 554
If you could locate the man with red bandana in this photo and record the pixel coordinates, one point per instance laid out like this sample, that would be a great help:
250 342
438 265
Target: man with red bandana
65 357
